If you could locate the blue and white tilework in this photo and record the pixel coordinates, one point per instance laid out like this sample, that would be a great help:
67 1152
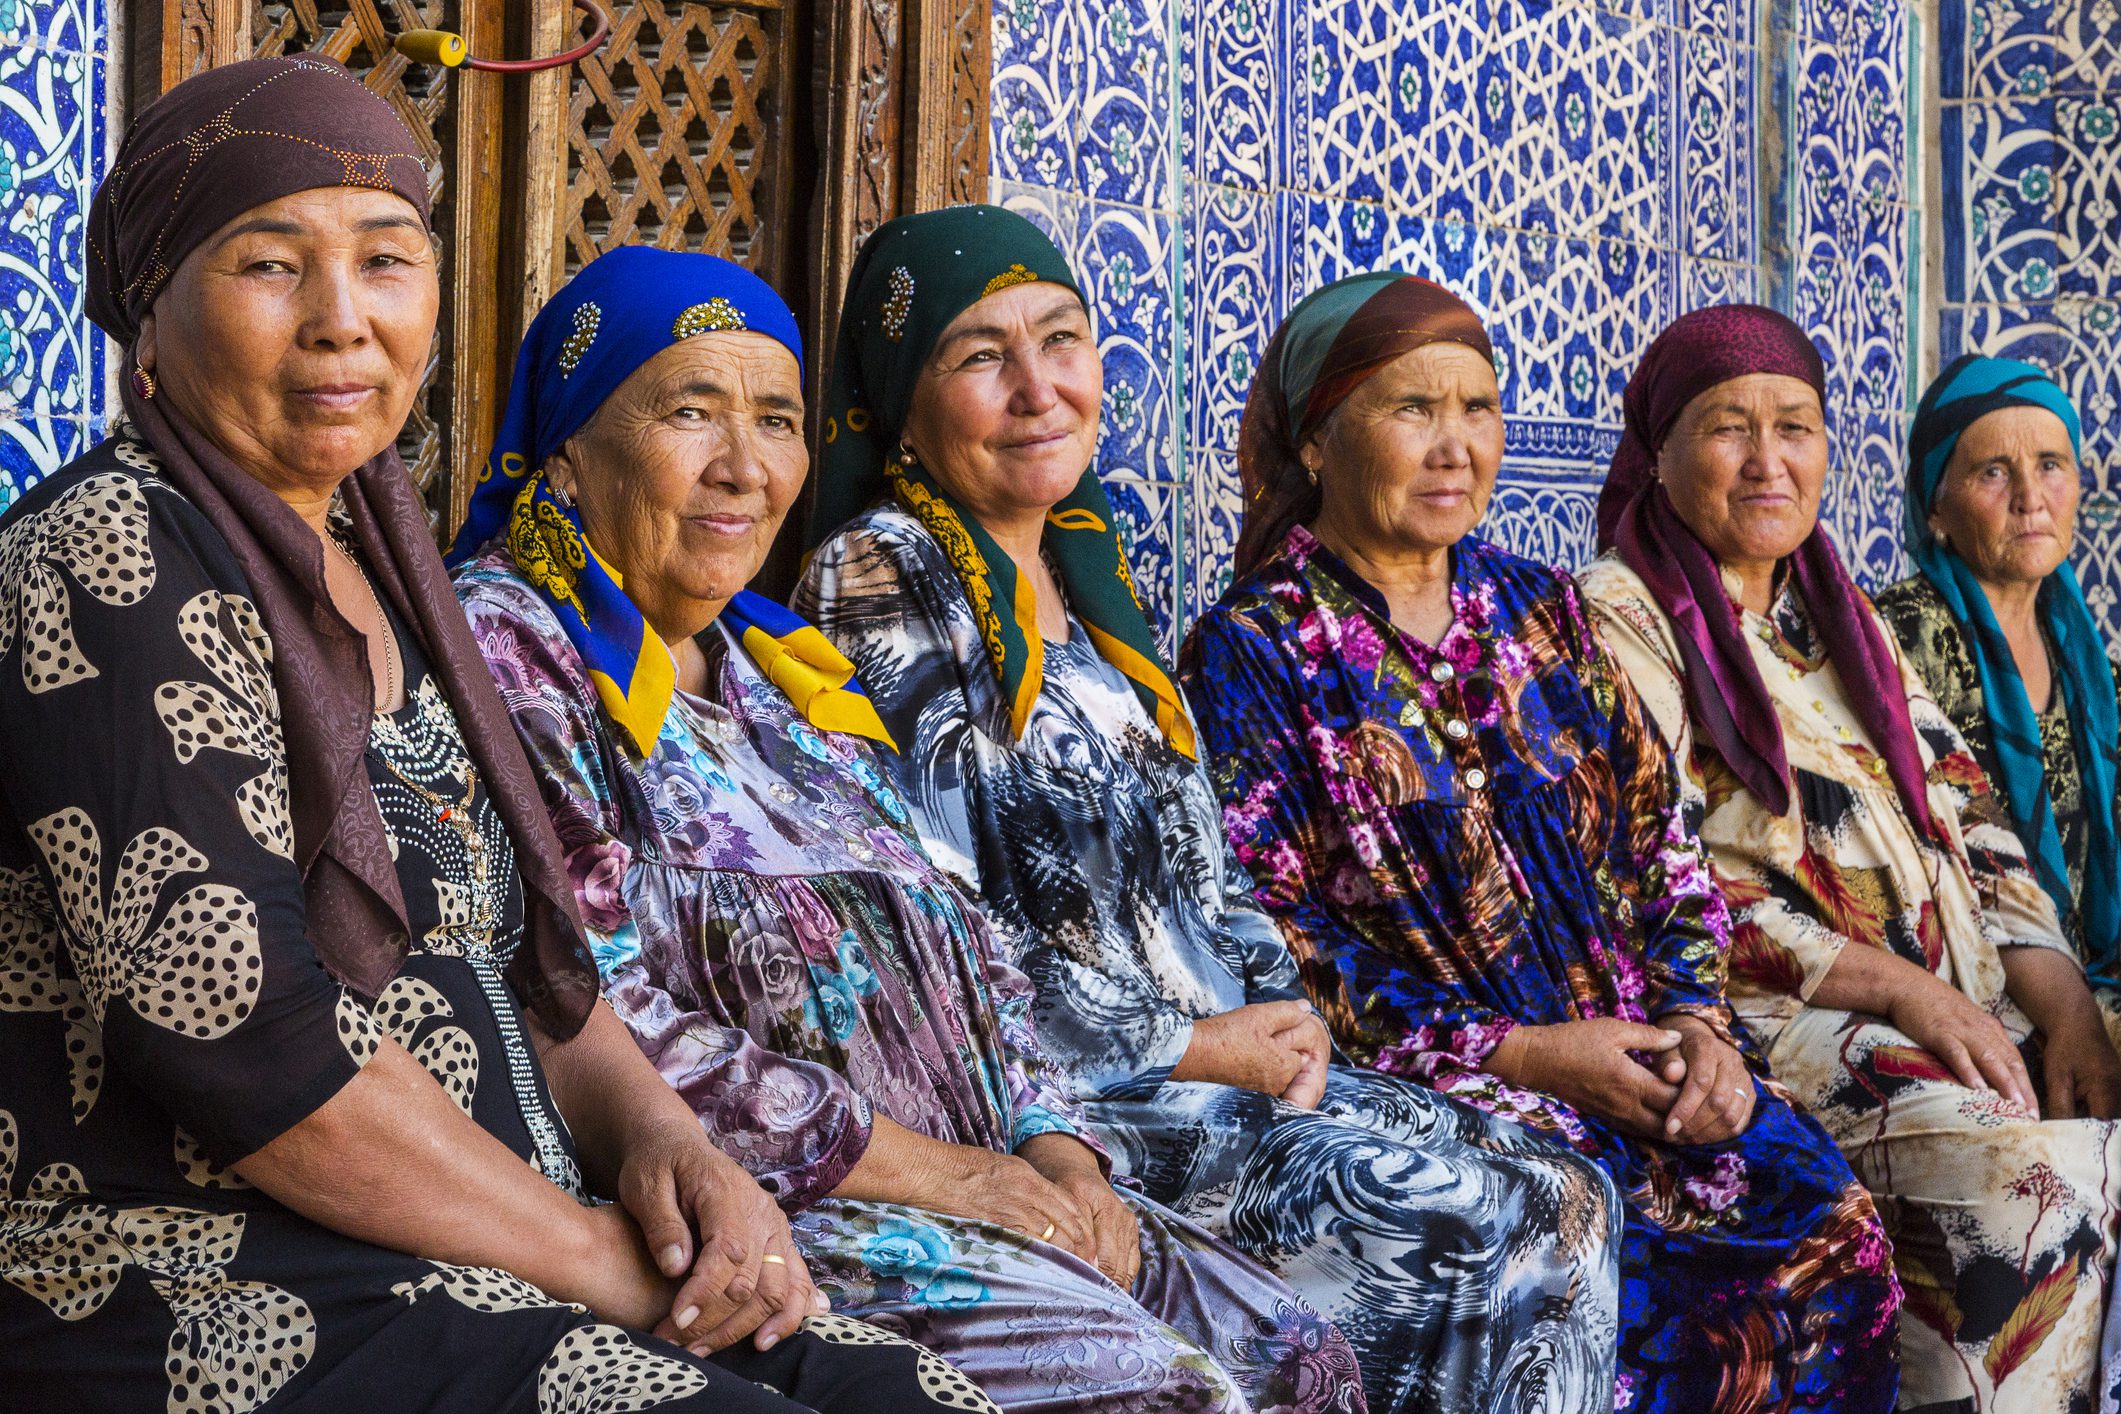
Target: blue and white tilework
54 144
2031 160
1581 172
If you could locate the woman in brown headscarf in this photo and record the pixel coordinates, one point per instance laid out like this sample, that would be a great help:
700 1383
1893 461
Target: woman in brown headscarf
294 1013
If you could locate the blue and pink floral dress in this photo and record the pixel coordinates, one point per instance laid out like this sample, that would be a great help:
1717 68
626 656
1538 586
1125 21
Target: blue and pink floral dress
770 929
1488 833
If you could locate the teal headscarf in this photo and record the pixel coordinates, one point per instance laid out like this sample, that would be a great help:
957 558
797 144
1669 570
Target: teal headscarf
1970 389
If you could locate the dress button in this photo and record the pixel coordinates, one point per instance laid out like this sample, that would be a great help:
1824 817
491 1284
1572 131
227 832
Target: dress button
1877 765
1440 671
1476 779
1455 729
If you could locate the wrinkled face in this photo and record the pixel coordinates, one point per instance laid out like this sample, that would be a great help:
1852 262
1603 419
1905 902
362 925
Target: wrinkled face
1744 466
296 336
2008 500
1005 414
686 472
1408 461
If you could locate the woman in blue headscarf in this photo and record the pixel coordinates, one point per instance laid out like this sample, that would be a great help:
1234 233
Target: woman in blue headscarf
1995 622
830 1005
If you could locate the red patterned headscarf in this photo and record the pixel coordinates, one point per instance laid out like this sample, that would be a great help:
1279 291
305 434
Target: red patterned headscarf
1330 343
1725 697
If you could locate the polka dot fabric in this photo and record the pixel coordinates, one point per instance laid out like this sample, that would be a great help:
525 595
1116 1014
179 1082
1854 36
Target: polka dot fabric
164 1015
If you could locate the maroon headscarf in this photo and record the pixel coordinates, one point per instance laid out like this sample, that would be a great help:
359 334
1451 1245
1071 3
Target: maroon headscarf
1333 340
210 149
1725 697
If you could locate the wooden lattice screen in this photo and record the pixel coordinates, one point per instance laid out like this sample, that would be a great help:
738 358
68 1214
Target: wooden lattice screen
669 132
775 132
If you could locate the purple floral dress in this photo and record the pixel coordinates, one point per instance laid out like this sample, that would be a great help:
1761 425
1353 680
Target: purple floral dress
786 954
1487 833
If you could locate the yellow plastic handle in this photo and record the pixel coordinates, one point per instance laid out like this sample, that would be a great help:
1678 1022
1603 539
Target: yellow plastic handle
431 46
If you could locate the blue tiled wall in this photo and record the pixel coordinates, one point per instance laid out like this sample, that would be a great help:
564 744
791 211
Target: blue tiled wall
1582 173
2031 136
54 72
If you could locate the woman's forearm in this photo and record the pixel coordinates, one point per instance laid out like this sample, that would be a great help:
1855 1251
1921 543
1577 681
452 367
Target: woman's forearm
901 1166
1868 979
606 1090
2049 989
391 1160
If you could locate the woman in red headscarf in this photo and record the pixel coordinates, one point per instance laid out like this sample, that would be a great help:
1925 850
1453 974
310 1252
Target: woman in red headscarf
1890 947
1474 840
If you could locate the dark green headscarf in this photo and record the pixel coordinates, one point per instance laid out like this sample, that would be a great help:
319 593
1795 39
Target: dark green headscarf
910 280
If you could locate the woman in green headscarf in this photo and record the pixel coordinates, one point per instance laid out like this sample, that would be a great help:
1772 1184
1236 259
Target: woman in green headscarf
977 580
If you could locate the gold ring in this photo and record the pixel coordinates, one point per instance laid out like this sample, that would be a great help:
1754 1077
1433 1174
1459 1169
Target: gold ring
776 1258
1047 1235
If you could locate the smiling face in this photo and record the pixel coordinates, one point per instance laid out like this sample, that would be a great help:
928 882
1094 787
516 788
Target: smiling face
296 336
1407 463
2008 500
686 472
1744 466
1005 414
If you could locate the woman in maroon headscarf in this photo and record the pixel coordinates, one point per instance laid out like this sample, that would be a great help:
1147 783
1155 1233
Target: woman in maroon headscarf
1890 948
294 1013
1474 841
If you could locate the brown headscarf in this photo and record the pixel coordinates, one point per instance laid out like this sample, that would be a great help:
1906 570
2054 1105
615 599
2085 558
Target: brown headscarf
210 149
1330 343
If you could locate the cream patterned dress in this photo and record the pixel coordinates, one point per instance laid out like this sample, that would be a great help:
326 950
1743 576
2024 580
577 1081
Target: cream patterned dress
2002 1222
163 1016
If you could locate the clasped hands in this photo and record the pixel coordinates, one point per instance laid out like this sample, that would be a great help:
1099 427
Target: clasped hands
1692 1088
706 1255
1276 1048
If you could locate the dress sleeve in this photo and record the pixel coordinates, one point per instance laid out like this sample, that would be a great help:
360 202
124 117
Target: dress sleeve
1679 912
1298 842
863 591
2015 910
875 595
1038 1102
147 769
797 1127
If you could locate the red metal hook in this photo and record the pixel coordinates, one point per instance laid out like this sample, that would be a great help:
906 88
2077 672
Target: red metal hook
441 46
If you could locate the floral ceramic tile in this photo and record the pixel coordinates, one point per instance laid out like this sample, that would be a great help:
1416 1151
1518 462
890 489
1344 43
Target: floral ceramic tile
1124 257
1232 72
1124 135
1234 300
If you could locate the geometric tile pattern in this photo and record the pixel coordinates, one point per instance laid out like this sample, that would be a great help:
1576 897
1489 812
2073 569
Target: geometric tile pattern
2031 161
54 140
1580 173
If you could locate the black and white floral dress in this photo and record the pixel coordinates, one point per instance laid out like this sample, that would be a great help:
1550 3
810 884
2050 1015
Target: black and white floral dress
164 1015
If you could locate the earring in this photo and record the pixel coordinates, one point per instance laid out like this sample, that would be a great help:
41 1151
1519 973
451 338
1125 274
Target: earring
1311 474
560 494
906 456
143 382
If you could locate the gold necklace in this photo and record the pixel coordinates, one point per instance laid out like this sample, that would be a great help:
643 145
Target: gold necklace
393 672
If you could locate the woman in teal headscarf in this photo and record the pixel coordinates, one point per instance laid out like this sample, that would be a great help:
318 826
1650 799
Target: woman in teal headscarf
1997 625
975 574
827 1002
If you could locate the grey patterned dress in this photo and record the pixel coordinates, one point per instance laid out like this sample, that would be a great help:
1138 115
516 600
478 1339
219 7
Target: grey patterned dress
1471 1265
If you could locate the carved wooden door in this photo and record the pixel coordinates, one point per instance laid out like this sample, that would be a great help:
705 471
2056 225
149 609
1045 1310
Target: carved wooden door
774 132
